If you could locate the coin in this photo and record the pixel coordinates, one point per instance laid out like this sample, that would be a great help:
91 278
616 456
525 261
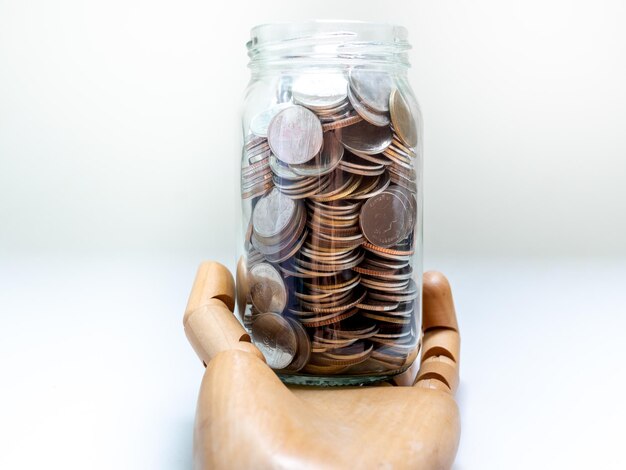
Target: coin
282 170
404 123
286 242
267 288
342 122
326 161
288 252
358 166
260 123
377 306
303 352
382 250
332 179
372 87
328 319
411 206
320 90
382 183
377 119
272 214
383 220
365 138
295 135
257 191
354 353
275 338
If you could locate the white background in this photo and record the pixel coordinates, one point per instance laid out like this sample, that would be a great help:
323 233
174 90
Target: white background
118 174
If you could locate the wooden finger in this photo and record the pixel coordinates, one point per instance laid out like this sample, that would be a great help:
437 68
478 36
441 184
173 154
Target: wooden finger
213 281
442 342
441 368
434 384
438 306
212 328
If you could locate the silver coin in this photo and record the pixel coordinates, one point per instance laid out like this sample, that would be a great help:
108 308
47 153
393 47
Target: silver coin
364 137
372 87
272 214
295 135
378 119
410 203
283 171
260 123
326 161
320 90
275 338
384 219
267 288
404 123
303 353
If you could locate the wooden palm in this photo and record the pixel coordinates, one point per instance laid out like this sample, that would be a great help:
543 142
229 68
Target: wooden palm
247 418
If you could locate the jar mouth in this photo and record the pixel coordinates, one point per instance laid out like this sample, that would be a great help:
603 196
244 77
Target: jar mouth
322 42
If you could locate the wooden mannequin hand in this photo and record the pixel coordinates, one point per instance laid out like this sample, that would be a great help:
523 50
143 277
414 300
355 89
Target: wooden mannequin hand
247 418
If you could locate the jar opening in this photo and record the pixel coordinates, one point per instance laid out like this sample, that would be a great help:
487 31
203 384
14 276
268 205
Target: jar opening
328 43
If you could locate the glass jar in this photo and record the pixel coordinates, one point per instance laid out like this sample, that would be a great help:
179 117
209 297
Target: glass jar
329 274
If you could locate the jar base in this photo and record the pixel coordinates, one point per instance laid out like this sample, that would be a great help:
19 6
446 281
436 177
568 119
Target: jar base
334 380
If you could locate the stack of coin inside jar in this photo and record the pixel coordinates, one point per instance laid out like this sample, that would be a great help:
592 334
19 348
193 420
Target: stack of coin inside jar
326 286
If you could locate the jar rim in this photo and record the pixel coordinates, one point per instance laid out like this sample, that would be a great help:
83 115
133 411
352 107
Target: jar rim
327 40
291 30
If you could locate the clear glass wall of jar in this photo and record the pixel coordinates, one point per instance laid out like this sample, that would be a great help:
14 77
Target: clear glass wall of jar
330 268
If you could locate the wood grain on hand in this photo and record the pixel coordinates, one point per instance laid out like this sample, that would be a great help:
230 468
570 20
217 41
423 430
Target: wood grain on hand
247 418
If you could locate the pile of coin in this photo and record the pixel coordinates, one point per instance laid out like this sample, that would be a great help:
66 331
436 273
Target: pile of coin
332 182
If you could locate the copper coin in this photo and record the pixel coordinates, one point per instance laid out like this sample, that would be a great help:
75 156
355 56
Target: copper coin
257 191
396 143
356 299
377 306
388 319
384 285
392 296
383 250
342 122
375 261
253 140
328 319
375 158
355 351
353 161
338 283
